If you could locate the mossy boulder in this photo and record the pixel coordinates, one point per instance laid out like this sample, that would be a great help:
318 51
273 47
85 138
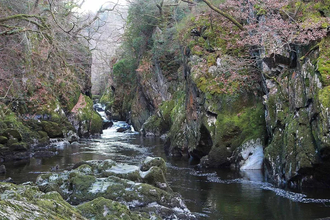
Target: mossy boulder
52 129
28 202
153 162
96 124
19 146
13 133
3 139
101 208
94 179
84 119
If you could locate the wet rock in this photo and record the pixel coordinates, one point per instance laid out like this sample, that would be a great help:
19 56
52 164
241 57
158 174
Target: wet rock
84 119
28 202
21 146
252 155
122 126
121 129
113 182
101 208
3 139
2 169
153 161
21 155
107 124
71 136
156 177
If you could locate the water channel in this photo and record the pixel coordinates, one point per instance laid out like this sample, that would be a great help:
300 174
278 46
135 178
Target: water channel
209 194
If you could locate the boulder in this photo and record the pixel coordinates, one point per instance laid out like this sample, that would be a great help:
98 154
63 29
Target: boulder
18 146
3 139
106 183
28 202
101 208
13 133
153 161
53 129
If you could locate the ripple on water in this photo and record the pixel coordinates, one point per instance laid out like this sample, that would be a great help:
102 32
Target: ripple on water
293 196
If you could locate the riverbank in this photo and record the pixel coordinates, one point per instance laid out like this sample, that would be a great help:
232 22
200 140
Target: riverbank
208 194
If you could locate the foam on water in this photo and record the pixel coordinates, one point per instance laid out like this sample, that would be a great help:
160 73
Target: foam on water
122 168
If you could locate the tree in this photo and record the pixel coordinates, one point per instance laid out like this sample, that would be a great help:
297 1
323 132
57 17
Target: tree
273 23
44 49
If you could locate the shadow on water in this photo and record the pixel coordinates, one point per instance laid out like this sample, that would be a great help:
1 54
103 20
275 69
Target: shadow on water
210 194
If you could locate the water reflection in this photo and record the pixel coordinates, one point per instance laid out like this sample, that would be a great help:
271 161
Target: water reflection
210 194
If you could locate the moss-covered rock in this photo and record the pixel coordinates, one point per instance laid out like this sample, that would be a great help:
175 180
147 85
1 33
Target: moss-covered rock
27 202
111 181
3 139
21 146
52 129
84 119
153 162
13 133
101 208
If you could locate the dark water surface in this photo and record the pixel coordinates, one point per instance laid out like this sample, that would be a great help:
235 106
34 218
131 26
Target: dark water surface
209 194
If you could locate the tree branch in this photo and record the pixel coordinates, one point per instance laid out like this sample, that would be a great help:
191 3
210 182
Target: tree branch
100 11
230 18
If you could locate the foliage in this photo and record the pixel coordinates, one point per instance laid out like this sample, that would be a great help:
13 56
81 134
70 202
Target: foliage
277 24
124 70
141 21
41 65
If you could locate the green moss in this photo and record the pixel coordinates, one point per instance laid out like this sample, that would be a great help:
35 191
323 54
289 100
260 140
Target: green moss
211 59
27 202
260 10
13 133
101 208
82 182
324 97
52 129
92 123
233 129
96 124
12 124
323 63
3 139
73 98
107 97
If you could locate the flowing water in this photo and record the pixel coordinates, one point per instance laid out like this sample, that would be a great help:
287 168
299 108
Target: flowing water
209 194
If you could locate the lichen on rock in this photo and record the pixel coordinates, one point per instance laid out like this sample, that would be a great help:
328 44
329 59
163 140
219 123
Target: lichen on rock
116 186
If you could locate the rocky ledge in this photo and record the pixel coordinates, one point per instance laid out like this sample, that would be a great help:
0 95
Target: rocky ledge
96 190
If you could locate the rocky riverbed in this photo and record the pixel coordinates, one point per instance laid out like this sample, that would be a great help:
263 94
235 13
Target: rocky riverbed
97 189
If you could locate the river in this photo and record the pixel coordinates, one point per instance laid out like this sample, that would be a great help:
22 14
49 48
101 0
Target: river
209 194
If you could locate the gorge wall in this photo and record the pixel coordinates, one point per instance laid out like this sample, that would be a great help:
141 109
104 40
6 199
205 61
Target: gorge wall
259 106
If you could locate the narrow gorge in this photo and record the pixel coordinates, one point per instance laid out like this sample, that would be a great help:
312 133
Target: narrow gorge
102 111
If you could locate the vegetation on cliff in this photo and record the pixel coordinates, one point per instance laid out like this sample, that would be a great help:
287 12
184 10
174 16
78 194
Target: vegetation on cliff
245 71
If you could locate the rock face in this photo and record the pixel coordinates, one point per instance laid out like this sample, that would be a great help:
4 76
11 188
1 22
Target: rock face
117 186
297 116
217 102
